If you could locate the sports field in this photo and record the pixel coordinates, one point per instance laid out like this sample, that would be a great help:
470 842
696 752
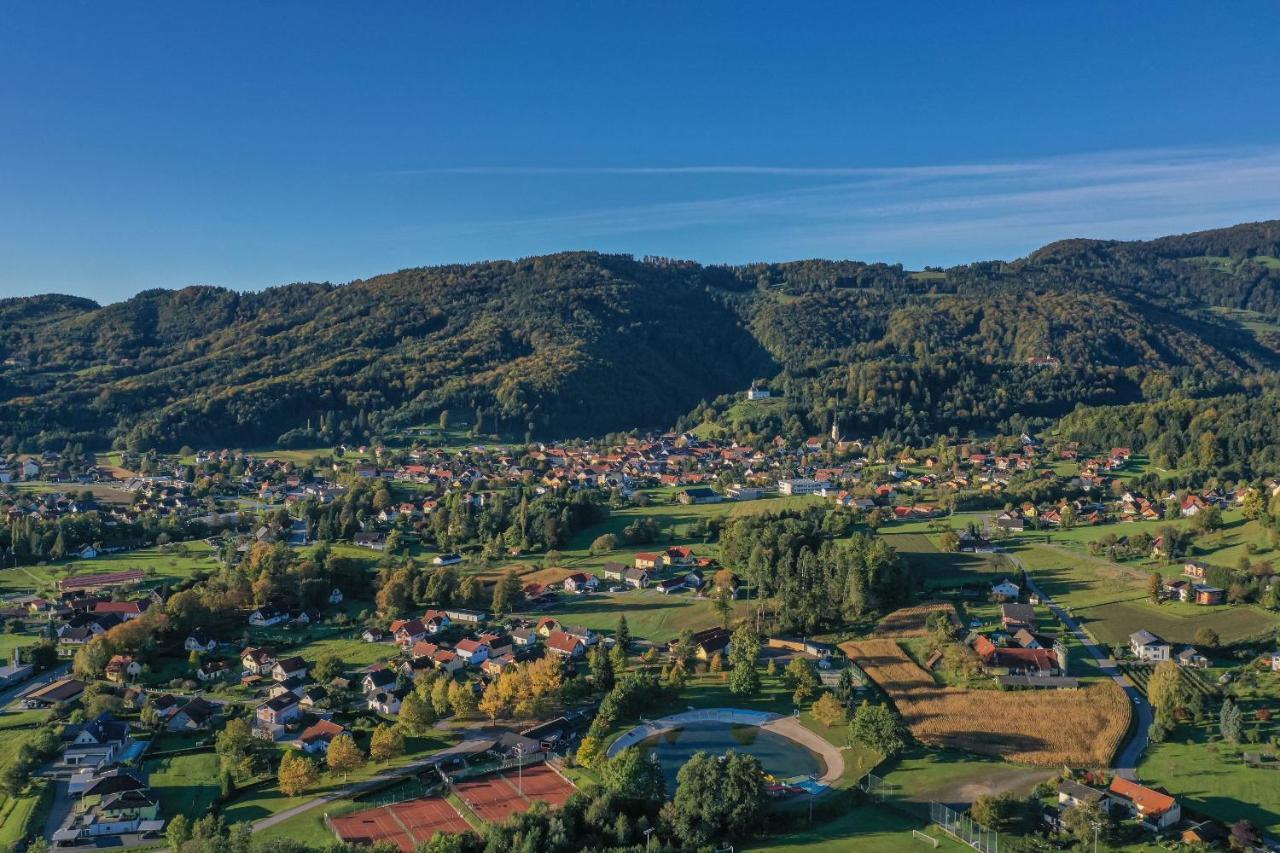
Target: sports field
406 824
497 797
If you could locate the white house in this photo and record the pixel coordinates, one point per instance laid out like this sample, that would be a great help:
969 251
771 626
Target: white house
581 582
474 652
1146 646
387 702
265 617
199 640
1007 588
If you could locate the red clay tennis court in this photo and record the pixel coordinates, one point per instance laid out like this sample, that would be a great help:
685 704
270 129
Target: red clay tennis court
405 824
542 782
496 797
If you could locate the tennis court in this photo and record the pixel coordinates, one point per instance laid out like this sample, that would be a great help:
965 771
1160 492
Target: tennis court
405 824
496 797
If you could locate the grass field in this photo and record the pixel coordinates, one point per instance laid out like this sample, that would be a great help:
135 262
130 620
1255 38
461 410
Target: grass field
186 784
650 614
869 827
1210 776
19 814
1043 727
1112 601
920 776
939 569
160 564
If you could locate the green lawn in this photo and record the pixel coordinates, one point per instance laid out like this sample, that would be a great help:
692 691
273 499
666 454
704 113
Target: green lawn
186 784
921 775
18 815
650 614
1210 776
939 569
869 827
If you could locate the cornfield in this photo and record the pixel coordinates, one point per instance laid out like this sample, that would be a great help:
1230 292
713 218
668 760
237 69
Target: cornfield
1079 728
913 621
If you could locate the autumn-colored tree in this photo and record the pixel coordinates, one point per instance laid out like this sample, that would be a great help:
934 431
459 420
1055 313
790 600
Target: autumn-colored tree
297 773
440 697
462 699
387 743
415 714
590 751
492 704
344 756
828 710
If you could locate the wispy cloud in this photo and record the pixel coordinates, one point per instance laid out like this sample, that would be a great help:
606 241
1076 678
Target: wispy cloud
924 211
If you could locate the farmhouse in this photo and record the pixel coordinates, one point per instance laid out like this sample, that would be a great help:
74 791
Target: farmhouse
1192 569
1156 809
193 716
122 668
267 616
257 661
287 668
1146 646
200 640
276 713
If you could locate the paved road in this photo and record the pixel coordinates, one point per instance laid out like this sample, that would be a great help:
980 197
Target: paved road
464 748
1126 762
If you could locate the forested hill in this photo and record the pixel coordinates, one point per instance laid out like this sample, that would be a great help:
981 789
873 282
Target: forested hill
582 343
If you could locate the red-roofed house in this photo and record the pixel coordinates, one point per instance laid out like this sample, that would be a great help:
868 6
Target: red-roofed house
566 645
1155 809
126 610
315 739
473 652
581 582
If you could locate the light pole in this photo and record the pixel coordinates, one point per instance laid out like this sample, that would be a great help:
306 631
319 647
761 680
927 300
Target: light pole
1096 827
648 833
520 768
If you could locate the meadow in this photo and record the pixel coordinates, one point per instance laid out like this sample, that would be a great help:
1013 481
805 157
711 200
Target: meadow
160 563
1209 774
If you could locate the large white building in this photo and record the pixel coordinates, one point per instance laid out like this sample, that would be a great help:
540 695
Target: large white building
800 486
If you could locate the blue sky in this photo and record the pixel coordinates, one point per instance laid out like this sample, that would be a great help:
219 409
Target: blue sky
249 144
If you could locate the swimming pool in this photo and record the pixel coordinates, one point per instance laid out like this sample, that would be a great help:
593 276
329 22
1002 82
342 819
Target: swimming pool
781 757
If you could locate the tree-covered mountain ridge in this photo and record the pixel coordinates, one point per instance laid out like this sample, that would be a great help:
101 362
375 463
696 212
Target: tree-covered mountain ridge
581 343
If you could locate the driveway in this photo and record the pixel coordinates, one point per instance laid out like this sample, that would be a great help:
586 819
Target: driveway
1125 763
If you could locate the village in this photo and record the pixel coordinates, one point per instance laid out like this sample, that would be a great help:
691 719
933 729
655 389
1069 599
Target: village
432 696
